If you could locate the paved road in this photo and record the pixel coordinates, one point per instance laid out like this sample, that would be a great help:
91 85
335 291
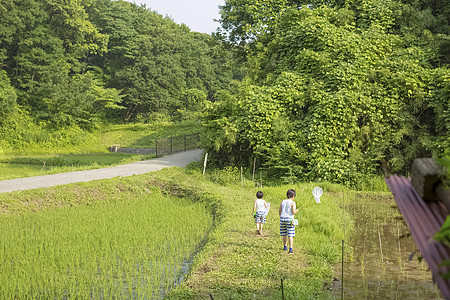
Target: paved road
141 167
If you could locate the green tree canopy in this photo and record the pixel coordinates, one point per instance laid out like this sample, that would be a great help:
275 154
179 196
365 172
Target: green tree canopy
335 92
76 62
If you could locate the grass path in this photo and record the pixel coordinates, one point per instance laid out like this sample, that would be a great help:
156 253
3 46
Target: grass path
236 263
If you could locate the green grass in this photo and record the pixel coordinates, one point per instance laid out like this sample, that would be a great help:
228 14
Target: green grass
234 263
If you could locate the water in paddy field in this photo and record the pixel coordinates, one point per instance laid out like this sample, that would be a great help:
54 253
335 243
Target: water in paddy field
384 262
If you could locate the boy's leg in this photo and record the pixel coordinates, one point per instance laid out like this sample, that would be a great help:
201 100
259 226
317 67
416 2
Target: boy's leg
284 232
291 234
263 220
257 223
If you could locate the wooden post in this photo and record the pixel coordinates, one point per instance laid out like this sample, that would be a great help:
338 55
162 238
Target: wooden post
254 165
242 176
156 147
204 164
185 142
426 178
171 145
342 275
381 249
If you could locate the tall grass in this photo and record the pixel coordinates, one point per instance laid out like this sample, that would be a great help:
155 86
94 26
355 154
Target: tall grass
39 140
130 246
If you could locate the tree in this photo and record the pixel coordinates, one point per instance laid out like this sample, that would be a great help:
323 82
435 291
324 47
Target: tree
155 61
45 53
75 100
334 90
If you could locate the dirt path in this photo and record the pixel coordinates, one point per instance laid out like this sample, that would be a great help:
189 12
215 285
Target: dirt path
141 167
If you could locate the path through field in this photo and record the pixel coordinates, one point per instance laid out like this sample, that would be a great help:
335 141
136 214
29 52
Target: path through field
175 160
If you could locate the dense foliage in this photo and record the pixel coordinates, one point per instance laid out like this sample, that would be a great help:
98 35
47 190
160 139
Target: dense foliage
160 66
67 64
336 91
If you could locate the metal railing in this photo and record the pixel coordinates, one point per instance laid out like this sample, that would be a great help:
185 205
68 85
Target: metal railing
176 144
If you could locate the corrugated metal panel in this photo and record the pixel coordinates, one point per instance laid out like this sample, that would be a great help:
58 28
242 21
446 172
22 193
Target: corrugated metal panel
424 219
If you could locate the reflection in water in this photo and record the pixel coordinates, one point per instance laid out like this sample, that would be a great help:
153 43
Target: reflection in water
383 261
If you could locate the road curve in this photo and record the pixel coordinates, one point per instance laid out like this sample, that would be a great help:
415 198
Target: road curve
175 160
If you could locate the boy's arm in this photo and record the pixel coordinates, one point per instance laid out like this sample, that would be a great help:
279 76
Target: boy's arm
265 204
279 210
254 206
294 208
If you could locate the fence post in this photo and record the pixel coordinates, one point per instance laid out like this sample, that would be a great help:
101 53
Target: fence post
204 164
254 165
156 147
185 142
171 145
342 276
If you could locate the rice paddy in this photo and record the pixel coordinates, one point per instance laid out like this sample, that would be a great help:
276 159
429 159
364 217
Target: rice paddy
384 262
124 249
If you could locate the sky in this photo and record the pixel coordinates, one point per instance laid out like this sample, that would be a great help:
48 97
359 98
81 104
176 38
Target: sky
198 15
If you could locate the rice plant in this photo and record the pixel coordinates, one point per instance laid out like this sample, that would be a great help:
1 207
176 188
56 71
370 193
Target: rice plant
128 249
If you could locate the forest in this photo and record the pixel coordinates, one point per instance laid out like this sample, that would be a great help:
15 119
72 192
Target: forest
79 64
311 90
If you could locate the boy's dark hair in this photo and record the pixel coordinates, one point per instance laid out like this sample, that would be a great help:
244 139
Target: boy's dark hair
259 194
290 193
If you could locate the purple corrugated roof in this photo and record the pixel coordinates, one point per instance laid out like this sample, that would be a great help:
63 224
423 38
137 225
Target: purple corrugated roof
424 219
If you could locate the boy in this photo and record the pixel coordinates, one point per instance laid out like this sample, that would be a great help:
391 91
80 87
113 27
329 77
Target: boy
260 207
287 211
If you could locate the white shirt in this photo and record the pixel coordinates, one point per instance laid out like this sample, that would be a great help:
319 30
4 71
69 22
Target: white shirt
286 208
260 208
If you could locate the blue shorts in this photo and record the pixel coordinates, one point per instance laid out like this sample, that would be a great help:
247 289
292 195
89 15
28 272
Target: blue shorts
260 218
286 228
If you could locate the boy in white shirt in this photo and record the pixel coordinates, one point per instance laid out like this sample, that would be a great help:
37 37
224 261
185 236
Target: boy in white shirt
260 207
287 211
